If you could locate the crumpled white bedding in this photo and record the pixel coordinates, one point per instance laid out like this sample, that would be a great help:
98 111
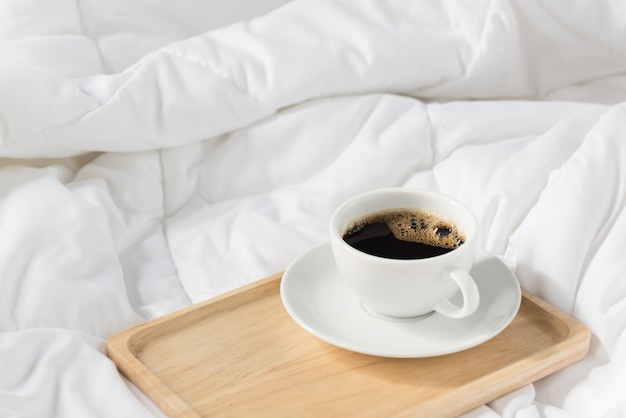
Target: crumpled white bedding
155 154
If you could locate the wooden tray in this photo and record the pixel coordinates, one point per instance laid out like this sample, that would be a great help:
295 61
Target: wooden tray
241 355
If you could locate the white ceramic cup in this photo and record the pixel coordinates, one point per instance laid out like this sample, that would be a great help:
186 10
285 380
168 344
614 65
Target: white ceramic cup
415 287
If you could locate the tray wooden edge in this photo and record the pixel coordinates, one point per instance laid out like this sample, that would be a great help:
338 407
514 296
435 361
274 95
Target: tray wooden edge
121 349
579 334
572 348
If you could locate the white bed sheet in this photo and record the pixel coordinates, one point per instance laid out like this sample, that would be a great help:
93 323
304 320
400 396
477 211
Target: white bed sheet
156 155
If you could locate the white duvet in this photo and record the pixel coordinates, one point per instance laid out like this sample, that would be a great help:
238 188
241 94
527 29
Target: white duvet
158 154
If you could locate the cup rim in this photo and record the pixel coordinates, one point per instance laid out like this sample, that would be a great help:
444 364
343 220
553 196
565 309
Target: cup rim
336 235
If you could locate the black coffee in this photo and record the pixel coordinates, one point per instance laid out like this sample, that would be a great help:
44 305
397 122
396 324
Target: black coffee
403 234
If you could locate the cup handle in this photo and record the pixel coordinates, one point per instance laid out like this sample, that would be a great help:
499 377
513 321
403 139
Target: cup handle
471 298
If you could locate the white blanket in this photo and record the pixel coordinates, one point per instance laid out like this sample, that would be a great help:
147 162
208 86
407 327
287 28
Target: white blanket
155 154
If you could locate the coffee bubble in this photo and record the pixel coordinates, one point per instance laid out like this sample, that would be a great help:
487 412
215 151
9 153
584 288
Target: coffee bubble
413 225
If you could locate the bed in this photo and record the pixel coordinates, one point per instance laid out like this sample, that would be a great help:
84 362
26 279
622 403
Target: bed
155 155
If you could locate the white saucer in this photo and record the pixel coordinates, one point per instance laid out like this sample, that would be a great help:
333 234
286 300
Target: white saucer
318 300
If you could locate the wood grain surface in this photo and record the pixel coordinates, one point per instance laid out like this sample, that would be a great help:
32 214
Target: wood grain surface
241 355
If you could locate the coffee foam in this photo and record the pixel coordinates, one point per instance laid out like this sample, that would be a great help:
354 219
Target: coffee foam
414 225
